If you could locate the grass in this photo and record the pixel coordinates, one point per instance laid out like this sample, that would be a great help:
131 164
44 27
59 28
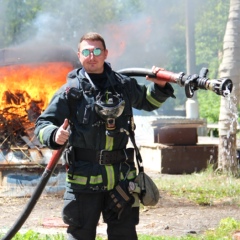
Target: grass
204 188
224 231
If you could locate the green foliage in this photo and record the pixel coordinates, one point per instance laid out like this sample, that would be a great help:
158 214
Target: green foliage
15 20
209 105
21 21
224 231
204 188
210 28
32 235
28 235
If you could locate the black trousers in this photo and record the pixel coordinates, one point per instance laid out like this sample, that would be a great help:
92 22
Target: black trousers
82 212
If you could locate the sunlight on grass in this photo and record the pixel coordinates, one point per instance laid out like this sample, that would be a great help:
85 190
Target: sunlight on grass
225 231
204 188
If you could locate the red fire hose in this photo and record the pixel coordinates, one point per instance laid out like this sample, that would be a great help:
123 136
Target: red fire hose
36 194
222 86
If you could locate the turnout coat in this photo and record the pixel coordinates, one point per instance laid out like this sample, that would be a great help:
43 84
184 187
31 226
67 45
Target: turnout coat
88 140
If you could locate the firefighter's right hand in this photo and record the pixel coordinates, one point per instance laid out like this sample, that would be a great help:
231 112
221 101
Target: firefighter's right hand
155 70
62 133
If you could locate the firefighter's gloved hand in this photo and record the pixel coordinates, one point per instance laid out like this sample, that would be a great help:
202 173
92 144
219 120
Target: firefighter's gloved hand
120 198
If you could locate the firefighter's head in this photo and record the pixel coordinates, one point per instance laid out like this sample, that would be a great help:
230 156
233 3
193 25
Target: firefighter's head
92 52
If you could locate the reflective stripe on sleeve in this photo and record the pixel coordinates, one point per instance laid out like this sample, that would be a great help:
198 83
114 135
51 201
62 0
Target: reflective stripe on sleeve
40 135
152 100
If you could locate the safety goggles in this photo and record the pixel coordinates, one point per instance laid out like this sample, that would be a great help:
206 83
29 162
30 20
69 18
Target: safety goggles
95 52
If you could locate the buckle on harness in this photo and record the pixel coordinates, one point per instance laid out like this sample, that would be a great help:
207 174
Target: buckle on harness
112 157
101 156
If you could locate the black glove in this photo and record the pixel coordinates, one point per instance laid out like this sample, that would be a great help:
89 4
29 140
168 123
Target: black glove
120 197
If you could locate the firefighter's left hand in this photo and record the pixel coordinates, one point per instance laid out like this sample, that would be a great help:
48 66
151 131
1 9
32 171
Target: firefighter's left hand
158 82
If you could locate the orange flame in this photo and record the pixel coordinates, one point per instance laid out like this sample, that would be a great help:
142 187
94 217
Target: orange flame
30 87
122 34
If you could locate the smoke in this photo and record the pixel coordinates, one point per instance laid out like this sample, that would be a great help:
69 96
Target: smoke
47 27
136 36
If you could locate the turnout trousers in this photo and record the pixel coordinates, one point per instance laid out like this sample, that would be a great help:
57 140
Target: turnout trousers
82 212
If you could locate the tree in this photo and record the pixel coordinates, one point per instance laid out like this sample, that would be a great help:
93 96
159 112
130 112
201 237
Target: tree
229 68
211 21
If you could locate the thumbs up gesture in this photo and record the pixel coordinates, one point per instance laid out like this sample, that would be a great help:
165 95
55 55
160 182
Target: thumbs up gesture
62 134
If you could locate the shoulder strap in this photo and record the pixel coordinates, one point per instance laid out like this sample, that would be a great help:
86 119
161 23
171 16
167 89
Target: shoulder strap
73 93
133 140
123 78
138 158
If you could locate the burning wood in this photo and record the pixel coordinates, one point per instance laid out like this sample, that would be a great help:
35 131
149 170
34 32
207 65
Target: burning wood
20 103
12 127
24 94
20 114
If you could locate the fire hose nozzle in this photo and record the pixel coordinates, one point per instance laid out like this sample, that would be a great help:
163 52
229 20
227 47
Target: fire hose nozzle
222 86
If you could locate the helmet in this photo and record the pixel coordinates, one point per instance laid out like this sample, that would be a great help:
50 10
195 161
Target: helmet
109 106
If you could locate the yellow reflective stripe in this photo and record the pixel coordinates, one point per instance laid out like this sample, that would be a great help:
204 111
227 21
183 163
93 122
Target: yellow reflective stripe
42 131
110 177
109 143
131 175
109 168
77 179
96 179
152 100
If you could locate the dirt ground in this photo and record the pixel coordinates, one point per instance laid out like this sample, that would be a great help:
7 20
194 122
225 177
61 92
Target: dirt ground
170 217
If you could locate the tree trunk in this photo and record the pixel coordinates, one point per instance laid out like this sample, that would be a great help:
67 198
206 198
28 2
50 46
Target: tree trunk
230 68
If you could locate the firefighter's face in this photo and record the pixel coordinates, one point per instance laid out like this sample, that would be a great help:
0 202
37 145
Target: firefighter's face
92 56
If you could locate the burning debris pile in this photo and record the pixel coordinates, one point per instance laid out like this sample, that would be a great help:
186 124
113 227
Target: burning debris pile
16 130
23 97
16 119
27 85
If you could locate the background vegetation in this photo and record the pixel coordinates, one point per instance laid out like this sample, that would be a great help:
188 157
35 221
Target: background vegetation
138 32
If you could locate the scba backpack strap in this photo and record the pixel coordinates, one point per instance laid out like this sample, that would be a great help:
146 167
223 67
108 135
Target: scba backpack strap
73 94
149 195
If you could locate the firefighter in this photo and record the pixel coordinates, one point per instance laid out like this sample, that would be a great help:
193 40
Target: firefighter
96 103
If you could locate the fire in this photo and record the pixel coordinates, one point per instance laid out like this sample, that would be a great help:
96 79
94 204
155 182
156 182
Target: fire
123 33
27 89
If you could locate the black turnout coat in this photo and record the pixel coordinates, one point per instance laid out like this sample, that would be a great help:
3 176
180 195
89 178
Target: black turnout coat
88 130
